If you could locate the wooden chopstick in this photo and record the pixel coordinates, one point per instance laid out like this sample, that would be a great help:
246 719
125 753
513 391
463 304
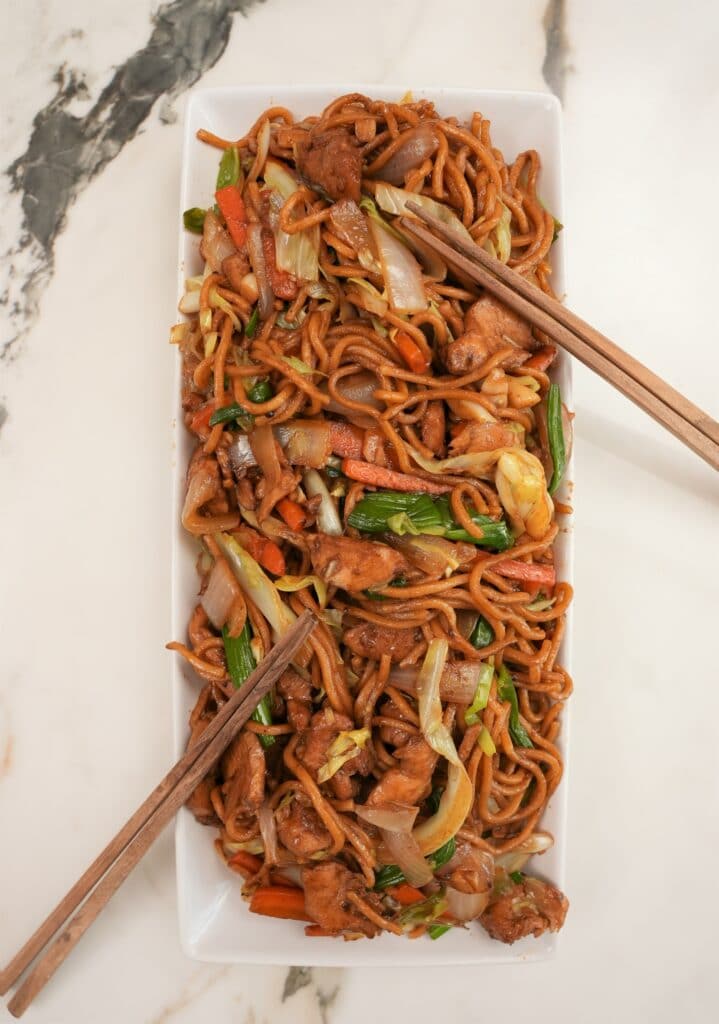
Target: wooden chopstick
109 870
690 424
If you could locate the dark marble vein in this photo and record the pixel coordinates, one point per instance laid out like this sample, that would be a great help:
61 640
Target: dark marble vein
297 978
555 67
3 415
66 152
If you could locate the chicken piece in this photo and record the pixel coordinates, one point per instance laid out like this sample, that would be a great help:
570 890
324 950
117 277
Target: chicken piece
483 437
243 765
489 326
432 428
235 268
300 828
201 805
529 907
298 695
470 870
394 736
410 782
314 744
354 565
326 887
332 162
368 640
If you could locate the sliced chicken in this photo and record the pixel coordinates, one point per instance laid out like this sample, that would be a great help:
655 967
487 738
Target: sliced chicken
489 326
300 828
297 693
432 428
368 640
410 782
244 768
529 907
326 888
332 162
354 565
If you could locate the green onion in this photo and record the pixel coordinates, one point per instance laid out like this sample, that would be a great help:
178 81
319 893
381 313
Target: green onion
400 581
506 691
436 931
424 912
517 877
391 874
482 635
252 323
481 694
486 743
557 228
555 433
240 663
261 391
495 534
229 170
433 799
230 413
194 219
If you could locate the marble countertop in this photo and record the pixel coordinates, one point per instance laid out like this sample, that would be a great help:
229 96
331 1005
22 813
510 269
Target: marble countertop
90 143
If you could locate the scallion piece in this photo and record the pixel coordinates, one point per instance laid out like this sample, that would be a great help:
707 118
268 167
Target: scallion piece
555 433
436 931
506 691
194 219
252 323
261 391
229 170
482 635
517 877
392 874
443 854
481 695
230 413
240 663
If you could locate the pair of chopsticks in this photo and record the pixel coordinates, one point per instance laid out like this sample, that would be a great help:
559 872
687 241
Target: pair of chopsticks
110 869
652 394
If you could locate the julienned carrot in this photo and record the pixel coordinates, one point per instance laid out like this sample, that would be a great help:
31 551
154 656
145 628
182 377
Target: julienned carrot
263 550
410 351
292 513
406 894
201 419
531 572
232 207
280 901
346 440
246 864
378 476
542 359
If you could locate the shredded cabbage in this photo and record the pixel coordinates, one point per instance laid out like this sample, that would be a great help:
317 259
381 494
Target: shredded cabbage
347 745
290 584
394 200
298 253
481 694
499 240
486 742
256 584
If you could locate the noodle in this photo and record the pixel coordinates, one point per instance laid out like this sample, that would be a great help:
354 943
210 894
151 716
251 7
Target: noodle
330 415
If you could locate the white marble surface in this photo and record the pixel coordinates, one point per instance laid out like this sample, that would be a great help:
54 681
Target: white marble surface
84 488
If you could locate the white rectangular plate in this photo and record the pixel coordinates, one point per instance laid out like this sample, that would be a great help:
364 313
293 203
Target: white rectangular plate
215 923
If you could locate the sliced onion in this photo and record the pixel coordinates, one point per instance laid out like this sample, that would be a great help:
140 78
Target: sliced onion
464 906
348 222
433 728
538 842
401 271
257 259
435 556
221 592
357 387
328 520
407 853
466 409
453 809
477 464
268 830
189 303
391 817
306 442
240 454
262 442
458 683
366 296
418 144
432 264
263 146
216 242
466 621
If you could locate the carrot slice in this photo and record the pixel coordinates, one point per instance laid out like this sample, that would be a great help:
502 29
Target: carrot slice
406 894
292 513
200 422
317 931
378 476
232 207
280 901
410 351
262 549
244 863
531 572
542 359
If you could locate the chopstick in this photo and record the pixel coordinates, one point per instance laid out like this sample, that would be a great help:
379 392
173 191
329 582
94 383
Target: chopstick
110 869
690 424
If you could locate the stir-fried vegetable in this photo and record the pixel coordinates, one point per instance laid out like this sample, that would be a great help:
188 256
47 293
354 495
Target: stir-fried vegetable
506 691
232 207
424 912
555 433
233 413
401 272
392 874
344 748
252 324
194 219
240 664
296 253
394 200
230 169
482 635
481 695
254 582
260 391
436 931
420 513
